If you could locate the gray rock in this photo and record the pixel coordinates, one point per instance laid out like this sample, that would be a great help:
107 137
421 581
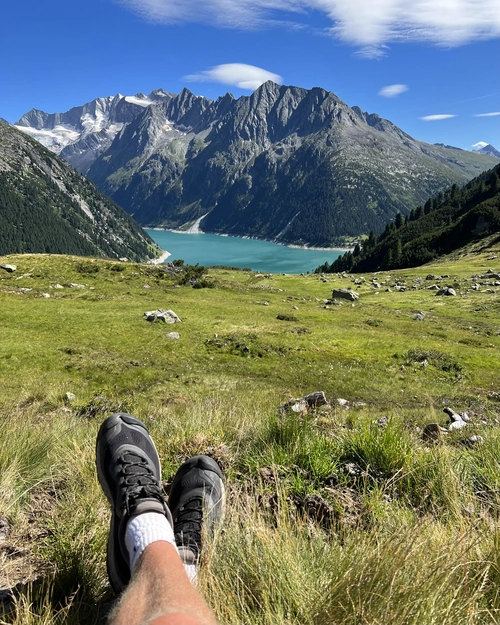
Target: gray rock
8 268
454 416
343 403
167 316
345 294
173 335
420 316
447 290
457 425
295 405
316 399
431 276
433 287
303 404
476 439
69 396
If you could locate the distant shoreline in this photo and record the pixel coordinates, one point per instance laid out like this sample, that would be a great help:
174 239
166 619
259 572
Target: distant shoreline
236 236
161 259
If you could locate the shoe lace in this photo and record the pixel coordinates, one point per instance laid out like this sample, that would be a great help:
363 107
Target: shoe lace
188 523
137 480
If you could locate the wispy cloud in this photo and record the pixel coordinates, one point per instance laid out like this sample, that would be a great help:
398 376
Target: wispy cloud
392 91
494 114
236 74
369 24
435 118
479 145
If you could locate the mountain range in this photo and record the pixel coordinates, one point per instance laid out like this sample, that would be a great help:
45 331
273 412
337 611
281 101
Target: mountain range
46 206
295 165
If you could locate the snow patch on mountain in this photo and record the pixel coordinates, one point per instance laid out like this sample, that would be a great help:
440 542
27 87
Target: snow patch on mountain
144 101
55 139
479 145
83 133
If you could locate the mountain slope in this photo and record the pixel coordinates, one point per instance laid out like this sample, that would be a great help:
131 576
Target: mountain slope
285 163
83 133
46 206
442 225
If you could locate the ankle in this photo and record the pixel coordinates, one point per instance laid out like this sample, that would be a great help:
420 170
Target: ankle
143 530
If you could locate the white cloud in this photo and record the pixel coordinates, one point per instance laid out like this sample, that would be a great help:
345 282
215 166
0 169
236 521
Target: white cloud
366 23
435 118
488 114
236 74
479 145
391 91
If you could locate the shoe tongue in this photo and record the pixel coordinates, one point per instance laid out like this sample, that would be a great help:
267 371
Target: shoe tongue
149 505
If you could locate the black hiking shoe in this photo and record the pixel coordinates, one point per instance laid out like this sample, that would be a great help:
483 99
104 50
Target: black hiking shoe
197 500
129 472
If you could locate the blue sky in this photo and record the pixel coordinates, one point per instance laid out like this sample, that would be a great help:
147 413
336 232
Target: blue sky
407 60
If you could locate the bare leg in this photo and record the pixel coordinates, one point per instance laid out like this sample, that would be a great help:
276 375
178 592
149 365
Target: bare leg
160 593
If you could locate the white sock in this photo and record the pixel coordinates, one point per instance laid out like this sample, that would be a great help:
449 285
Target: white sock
192 572
144 529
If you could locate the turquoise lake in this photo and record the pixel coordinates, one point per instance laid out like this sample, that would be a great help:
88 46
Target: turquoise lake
211 249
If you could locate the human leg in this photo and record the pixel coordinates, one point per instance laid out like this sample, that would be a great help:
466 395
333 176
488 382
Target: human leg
141 544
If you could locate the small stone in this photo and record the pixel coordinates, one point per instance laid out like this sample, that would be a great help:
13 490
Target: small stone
46 295
476 439
69 396
173 335
343 403
420 316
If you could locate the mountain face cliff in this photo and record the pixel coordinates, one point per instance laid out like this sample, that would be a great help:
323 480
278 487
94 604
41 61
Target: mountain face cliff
291 164
48 207
84 132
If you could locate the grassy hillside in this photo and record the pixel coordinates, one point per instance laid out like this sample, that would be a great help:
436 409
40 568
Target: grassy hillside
338 515
443 224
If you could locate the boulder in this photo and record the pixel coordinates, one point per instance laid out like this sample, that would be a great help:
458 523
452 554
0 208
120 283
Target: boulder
303 404
316 399
167 316
8 268
446 290
345 294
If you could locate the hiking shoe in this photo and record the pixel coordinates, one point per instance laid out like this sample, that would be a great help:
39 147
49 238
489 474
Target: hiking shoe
129 472
197 500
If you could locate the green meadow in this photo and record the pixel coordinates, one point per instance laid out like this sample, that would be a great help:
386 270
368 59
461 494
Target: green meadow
340 515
